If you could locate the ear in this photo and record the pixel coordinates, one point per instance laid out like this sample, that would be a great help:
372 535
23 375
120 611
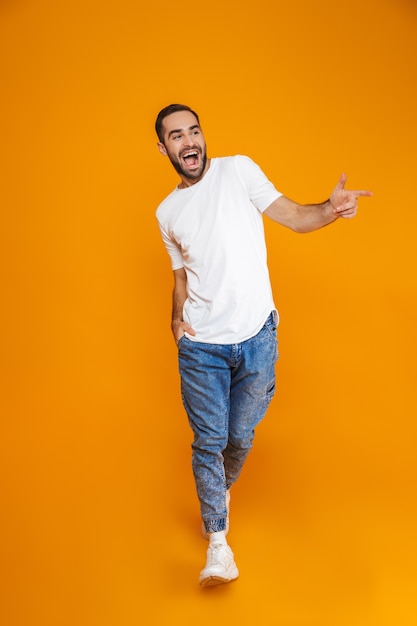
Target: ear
162 148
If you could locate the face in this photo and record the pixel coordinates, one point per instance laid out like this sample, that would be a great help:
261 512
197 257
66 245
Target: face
185 146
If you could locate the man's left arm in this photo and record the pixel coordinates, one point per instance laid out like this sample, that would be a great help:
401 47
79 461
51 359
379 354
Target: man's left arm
304 218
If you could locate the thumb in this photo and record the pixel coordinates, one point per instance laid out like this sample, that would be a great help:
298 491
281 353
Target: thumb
342 181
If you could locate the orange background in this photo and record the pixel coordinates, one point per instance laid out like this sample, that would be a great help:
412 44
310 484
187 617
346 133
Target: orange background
99 517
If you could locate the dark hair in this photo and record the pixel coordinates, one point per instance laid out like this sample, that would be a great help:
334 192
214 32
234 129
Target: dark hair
171 108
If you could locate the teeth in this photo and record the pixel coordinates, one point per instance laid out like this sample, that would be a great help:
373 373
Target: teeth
187 154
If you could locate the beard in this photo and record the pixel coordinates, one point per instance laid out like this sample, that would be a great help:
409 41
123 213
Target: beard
186 173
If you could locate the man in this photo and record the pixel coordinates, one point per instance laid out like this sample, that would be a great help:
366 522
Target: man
224 320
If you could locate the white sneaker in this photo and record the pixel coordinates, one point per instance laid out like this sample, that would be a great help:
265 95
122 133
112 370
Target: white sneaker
220 567
204 533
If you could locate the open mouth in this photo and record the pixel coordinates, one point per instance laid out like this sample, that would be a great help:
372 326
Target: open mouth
191 158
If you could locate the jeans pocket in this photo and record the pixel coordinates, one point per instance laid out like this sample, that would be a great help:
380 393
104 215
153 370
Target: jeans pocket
271 325
180 340
270 392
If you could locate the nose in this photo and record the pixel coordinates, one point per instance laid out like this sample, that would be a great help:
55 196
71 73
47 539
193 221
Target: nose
189 140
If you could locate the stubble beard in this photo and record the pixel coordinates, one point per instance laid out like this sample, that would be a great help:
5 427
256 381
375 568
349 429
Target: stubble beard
185 173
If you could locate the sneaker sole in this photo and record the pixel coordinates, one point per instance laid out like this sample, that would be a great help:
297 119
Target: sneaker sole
211 581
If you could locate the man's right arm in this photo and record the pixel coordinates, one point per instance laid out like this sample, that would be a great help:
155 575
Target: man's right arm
179 296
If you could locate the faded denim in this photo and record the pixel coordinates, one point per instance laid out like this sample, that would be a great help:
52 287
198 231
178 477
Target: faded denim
226 390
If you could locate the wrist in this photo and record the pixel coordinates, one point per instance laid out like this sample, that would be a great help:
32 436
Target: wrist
331 208
176 328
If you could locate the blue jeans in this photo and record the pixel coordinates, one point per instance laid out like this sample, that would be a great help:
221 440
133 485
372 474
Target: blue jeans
226 390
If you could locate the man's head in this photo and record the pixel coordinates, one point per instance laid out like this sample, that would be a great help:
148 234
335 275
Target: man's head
182 140
171 108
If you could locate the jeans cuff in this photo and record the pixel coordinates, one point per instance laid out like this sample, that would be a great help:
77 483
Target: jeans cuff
215 525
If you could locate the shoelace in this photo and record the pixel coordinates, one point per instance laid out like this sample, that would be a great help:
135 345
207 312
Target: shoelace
216 554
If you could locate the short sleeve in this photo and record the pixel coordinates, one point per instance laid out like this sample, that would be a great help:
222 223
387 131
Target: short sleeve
172 248
262 192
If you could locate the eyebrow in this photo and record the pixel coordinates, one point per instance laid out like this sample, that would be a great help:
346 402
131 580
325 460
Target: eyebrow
179 130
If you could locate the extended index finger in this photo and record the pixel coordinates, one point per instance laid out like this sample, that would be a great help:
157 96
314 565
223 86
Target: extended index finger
362 192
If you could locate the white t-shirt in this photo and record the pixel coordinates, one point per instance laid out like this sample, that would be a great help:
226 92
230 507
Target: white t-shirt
214 229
